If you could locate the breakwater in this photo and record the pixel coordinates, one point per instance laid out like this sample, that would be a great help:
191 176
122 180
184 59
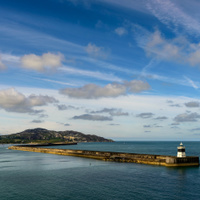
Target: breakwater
169 161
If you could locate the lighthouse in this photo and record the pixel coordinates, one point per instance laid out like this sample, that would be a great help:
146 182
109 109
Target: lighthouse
181 151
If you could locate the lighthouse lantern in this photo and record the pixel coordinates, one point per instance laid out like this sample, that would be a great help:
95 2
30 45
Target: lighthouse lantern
181 151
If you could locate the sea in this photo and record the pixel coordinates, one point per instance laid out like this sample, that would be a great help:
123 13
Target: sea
40 176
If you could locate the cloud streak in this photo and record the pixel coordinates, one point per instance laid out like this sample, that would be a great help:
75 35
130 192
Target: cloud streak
93 74
192 83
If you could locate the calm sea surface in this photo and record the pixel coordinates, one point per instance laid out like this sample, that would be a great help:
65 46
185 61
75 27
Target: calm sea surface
37 176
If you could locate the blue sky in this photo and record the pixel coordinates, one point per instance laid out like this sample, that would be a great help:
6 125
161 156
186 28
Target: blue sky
127 70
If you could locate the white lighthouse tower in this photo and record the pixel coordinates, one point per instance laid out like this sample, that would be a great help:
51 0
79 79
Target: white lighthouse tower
181 151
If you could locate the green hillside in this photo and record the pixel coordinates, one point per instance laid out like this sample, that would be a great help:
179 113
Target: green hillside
40 135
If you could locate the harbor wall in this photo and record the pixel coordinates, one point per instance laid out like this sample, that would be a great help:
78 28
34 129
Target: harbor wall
169 161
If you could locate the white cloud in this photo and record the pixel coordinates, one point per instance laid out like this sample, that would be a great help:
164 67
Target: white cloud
175 124
162 48
93 91
161 118
185 117
64 107
47 61
13 101
2 66
147 126
120 31
145 115
112 112
37 121
136 86
93 117
40 100
194 58
192 104
96 52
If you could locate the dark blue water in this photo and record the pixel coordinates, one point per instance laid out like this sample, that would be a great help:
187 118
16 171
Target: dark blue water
28 175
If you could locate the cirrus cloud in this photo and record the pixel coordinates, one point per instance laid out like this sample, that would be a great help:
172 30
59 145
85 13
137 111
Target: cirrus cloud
170 14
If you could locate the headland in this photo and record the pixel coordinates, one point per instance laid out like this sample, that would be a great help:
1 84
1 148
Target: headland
44 136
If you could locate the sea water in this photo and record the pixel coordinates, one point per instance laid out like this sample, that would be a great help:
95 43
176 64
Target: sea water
38 176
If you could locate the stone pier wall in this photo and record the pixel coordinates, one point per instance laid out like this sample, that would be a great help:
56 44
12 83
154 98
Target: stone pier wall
117 156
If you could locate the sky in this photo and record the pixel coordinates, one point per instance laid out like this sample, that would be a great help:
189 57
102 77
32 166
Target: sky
125 70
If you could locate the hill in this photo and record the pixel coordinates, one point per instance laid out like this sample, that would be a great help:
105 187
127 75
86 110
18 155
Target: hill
40 135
